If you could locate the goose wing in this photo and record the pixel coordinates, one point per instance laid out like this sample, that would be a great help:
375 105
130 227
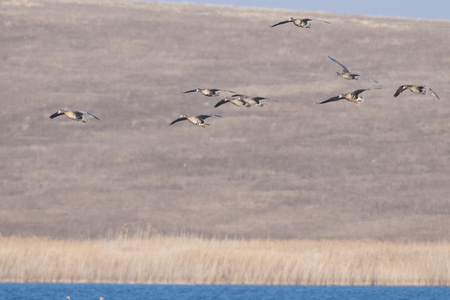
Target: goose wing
56 114
264 98
318 20
343 67
280 23
221 102
400 90
433 93
88 114
223 90
357 92
207 116
190 91
178 120
336 98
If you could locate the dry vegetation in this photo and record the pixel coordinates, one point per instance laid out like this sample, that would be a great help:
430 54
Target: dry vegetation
193 260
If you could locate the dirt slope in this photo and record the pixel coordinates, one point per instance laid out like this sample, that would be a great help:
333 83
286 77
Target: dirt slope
290 169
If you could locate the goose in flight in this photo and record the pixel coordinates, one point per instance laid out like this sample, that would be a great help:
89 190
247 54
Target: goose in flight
252 101
74 115
352 97
208 92
303 23
196 120
236 101
416 89
347 74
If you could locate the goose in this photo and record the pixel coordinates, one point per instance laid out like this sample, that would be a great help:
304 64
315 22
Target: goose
74 115
197 120
303 23
208 92
416 89
252 101
347 74
236 101
352 97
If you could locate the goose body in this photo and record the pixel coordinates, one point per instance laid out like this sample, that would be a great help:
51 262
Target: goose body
74 115
416 89
303 23
196 120
208 92
236 101
352 97
346 74
252 101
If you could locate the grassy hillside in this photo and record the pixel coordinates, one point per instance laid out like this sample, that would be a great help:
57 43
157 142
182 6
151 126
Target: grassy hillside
290 169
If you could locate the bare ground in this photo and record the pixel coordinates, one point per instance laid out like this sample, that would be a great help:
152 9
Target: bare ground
290 169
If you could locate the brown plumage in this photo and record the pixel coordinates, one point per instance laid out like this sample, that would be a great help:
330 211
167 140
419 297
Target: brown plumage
208 92
74 115
252 101
236 101
346 74
196 120
416 89
303 23
352 97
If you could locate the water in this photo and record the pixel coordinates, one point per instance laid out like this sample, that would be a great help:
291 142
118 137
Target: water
49 291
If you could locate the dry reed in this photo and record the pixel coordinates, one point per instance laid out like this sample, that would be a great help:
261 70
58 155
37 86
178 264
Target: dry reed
194 260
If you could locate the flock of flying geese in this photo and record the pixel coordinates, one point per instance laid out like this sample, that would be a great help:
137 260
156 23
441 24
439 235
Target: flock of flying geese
241 100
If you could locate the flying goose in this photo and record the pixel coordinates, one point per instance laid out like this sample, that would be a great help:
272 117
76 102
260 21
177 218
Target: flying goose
74 115
303 23
352 97
236 101
252 101
416 89
197 120
346 73
208 92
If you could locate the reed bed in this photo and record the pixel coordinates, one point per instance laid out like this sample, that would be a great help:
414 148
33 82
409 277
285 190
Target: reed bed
197 260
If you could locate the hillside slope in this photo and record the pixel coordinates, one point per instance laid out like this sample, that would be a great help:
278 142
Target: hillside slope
290 169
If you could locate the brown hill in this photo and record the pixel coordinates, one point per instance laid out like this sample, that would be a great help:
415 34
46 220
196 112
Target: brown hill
290 169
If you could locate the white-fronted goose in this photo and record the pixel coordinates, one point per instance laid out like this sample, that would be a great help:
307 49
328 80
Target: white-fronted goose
416 89
303 23
236 101
352 97
252 101
196 120
74 115
347 74
208 92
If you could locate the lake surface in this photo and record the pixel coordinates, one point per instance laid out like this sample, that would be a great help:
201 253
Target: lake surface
50 291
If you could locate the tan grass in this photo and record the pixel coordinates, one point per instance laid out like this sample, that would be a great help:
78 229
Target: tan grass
194 260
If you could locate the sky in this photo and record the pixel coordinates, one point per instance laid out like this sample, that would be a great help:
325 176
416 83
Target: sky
417 9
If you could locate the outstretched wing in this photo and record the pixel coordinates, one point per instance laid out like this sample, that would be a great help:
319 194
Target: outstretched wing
343 67
357 92
223 101
318 20
400 90
223 90
264 98
190 91
178 120
88 114
330 100
56 114
282 22
207 116
433 93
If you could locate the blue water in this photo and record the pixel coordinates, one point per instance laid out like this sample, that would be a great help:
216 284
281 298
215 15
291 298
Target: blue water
49 291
